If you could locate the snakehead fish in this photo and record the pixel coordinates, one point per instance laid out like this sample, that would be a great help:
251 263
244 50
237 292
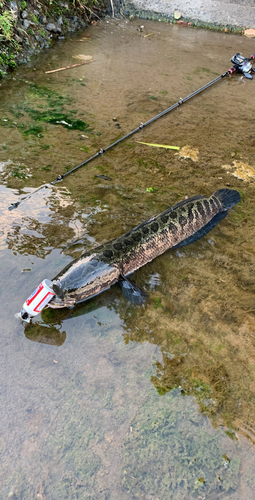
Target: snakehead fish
101 267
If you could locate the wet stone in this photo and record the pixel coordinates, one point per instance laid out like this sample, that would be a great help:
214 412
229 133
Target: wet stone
18 39
43 20
51 27
24 14
20 32
26 23
14 6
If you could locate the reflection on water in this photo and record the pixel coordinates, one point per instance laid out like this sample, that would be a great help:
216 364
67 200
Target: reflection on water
110 400
42 334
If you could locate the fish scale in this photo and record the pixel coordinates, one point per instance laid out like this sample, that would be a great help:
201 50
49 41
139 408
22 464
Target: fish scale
101 267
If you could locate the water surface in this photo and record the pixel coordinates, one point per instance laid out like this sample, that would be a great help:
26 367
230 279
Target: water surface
111 400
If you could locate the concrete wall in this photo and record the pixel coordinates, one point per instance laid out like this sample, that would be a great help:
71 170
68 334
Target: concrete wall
226 12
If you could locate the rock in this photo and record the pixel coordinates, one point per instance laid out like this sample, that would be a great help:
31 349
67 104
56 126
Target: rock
74 19
18 39
14 6
51 27
58 29
20 32
26 23
250 33
43 20
177 14
60 21
24 14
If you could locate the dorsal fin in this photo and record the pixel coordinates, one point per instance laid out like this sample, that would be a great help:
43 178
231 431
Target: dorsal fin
184 202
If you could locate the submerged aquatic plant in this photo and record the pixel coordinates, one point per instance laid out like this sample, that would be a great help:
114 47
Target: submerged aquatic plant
53 113
34 130
57 118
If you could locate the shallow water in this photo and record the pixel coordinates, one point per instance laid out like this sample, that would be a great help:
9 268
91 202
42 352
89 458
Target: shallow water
111 400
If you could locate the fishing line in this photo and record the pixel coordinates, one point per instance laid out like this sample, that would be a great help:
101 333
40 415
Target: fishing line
241 64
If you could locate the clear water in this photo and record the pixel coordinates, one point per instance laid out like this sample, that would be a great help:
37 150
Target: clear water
111 400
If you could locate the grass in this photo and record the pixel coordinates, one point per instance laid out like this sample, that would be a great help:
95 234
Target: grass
6 19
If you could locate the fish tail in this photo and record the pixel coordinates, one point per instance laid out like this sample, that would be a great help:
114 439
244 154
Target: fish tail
228 197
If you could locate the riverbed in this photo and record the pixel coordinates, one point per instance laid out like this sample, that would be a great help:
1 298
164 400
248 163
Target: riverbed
110 400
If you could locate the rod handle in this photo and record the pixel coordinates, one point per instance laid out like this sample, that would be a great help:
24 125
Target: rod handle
232 70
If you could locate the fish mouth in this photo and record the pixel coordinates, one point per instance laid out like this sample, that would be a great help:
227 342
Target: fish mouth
57 303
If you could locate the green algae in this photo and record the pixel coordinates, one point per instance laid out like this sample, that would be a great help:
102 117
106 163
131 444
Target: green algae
18 172
55 117
35 130
232 435
52 96
157 303
54 112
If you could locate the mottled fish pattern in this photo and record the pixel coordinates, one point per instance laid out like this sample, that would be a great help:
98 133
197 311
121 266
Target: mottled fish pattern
99 268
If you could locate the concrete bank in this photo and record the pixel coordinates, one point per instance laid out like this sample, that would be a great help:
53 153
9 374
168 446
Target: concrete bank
235 15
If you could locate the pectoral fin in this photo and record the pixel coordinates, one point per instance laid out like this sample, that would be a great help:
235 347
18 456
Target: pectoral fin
132 292
204 230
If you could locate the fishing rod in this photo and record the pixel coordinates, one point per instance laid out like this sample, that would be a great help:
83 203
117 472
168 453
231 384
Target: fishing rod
241 64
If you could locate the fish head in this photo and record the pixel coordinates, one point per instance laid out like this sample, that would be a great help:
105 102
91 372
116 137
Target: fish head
58 303
82 279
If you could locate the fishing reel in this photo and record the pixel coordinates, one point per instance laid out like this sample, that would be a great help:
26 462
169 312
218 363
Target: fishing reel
243 65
